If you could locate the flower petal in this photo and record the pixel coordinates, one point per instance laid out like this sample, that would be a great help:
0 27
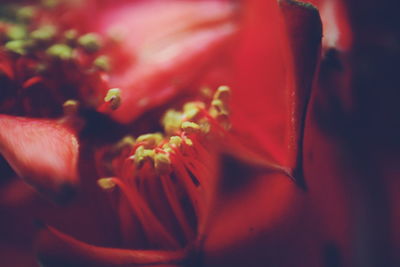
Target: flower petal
260 224
274 76
43 152
55 248
161 61
304 31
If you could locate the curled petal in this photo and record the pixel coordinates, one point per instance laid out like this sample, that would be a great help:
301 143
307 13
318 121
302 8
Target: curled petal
304 31
43 152
55 248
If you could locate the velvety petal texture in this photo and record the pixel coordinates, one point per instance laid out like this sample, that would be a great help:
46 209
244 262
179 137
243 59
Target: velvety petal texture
43 152
159 62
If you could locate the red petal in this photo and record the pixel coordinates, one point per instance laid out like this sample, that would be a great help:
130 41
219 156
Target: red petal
43 152
261 225
304 31
58 249
161 61
258 98
274 76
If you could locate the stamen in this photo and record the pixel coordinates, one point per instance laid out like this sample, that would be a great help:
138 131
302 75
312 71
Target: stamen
16 46
26 13
91 42
176 206
192 109
179 159
113 98
191 127
126 142
172 121
142 155
16 32
150 140
102 63
44 33
162 163
106 183
148 220
71 107
60 51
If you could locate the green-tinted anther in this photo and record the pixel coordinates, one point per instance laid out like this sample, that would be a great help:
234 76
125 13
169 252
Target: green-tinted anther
142 155
16 32
190 127
70 107
16 46
91 42
102 63
126 142
44 33
106 183
26 13
113 97
162 163
151 140
60 51
172 121
50 3
192 109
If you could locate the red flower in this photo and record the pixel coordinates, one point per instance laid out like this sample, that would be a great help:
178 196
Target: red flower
242 187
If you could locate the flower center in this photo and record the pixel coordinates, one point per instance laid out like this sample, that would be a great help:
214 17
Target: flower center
43 63
166 177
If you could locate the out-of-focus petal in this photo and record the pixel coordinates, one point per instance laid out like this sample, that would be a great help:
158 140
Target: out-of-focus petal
43 152
58 249
162 60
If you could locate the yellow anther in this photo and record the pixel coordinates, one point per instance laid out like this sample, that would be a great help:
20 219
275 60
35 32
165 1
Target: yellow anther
175 141
60 51
188 141
162 163
142 155
106 183
150 140
44 33
26 13
172 121
102 63
126 142
191 109
220 107
70 107
16 46
114 98
223 93
16 32
91 42
205 127
190 127
50 3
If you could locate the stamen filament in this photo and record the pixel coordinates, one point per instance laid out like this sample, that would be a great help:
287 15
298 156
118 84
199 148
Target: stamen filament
149 221
176 206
